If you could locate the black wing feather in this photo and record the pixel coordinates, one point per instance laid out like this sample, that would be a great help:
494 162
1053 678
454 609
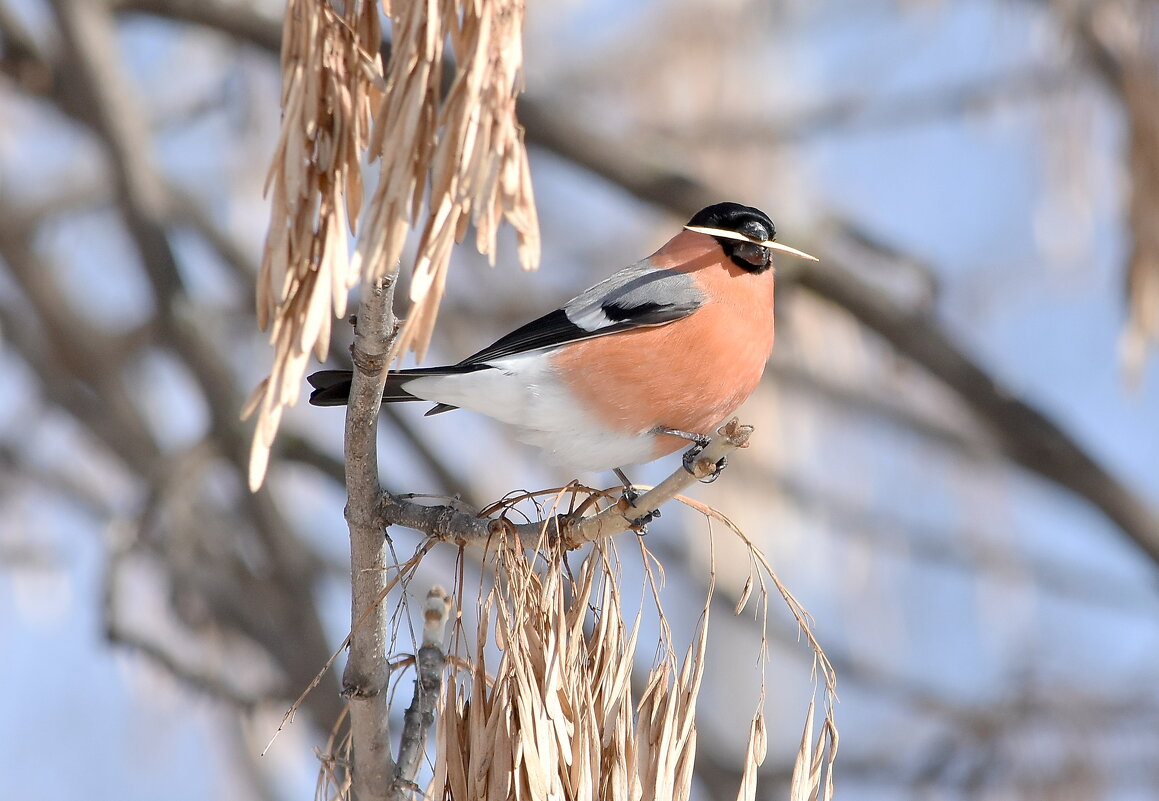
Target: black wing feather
557 328
549 331
636 297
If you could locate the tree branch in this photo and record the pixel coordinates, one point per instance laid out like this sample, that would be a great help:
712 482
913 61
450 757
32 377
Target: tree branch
1027 436
450 524
858 112
364 681
240 20
71 354
729 437
420 716
98 94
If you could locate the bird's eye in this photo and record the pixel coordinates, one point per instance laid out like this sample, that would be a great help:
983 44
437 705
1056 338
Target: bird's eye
752 253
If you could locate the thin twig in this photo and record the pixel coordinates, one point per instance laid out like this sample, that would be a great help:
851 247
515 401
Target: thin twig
420 715
731 435
450 524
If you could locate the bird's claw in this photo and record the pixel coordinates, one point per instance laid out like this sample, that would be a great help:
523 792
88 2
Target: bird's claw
638 524
691 461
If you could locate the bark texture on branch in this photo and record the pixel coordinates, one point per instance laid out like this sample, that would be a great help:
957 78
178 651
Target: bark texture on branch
430 662
572 530
364 681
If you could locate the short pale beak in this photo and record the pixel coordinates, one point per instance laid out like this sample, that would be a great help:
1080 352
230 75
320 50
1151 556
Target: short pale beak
739 237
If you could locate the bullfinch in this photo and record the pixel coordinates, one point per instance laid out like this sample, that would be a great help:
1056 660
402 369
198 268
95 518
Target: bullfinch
632 369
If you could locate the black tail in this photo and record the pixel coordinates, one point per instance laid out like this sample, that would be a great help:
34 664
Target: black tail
332 387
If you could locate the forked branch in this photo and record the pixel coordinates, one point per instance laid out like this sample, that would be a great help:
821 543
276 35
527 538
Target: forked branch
451 524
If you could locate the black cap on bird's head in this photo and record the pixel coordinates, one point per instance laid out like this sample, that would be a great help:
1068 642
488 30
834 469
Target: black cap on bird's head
753 223
745 233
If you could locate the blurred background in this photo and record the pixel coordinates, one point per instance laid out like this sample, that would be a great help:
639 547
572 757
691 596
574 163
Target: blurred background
956 464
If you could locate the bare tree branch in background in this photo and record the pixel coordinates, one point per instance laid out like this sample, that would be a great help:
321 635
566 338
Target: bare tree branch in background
1026 435
242 574
97 97
1118 38
857 114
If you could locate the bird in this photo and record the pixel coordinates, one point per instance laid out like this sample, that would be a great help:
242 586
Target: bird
642 364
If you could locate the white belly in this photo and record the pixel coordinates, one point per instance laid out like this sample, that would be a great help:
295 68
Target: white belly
522 392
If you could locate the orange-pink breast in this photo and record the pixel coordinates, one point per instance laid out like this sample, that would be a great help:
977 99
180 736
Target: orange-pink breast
687 375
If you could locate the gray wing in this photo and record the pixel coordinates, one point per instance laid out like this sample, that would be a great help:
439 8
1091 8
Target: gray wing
634 297
639 295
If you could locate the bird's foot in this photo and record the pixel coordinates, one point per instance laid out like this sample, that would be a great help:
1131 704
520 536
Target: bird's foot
692 460
630 496
699 443
639 524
